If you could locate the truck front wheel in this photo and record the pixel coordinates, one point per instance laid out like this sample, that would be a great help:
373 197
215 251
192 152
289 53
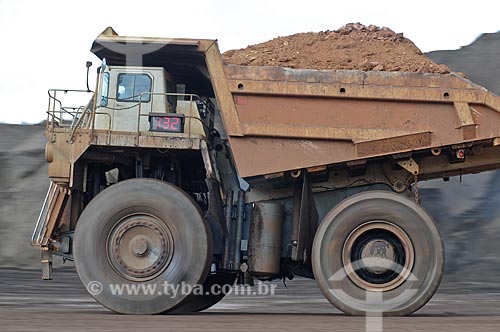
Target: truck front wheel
141 246
378 252
215 288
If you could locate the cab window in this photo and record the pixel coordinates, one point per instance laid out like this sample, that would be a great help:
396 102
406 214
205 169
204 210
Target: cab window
132 86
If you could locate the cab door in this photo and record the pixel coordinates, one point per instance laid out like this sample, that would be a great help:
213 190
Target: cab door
133 94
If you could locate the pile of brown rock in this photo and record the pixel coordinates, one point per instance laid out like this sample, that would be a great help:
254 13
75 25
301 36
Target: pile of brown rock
354 46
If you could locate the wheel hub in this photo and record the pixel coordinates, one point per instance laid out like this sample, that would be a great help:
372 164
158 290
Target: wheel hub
378 256
140 247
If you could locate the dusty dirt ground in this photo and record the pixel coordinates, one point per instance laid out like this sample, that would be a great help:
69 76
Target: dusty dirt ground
30 304
354 46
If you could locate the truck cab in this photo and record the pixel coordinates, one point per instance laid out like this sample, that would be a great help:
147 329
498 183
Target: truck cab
142 99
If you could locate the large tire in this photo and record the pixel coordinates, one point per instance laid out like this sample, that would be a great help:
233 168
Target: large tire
142 233
378 251
210 295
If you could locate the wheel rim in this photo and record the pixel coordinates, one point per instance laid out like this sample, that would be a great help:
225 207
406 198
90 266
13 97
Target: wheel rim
378 256
140 247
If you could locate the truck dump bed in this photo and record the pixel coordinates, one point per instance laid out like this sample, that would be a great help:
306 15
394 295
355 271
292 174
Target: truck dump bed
290 119
280 119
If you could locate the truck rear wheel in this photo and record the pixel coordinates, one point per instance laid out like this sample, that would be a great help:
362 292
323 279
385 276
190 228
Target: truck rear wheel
378 252
141 246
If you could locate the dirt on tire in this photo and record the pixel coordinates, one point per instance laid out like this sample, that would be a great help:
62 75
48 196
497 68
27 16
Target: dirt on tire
354 47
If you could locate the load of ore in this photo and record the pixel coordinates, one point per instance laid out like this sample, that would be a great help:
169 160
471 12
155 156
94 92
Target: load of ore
354 46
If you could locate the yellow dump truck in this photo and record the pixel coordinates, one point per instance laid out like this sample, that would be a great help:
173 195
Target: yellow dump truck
182 170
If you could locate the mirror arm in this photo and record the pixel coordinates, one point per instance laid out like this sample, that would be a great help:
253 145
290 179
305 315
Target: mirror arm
88 65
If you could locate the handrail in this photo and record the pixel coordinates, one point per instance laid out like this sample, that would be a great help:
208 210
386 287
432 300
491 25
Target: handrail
191 96
80 119
109 124
84 116
76 118
41 224
55 105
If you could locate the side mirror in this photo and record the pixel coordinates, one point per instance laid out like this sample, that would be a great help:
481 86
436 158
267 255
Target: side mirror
103 65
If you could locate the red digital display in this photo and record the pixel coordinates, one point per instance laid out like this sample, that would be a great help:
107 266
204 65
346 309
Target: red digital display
166 123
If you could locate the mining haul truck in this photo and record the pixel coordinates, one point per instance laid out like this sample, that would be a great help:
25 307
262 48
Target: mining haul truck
184 170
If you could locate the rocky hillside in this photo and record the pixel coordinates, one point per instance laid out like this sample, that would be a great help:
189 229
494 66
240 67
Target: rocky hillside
23 184
478 61
468 212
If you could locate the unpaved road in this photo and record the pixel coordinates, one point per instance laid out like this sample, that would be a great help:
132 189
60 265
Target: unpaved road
30 304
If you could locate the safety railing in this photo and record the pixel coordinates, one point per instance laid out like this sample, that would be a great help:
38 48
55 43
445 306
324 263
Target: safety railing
63 116
186 97
74 118
43 218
